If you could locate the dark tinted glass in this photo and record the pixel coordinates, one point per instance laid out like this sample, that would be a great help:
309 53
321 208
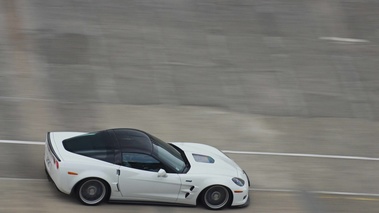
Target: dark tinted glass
133 141
168 155
95 145
141 161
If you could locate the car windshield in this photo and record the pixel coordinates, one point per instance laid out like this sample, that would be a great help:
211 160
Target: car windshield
169 155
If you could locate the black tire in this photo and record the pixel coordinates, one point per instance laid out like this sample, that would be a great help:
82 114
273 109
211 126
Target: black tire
216 197
92 191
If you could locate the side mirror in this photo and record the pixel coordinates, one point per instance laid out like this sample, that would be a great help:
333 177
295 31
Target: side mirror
162 173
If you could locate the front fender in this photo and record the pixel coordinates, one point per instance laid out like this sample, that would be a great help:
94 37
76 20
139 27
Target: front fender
194 185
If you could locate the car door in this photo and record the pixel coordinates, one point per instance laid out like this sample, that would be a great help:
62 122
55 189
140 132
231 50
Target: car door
139 179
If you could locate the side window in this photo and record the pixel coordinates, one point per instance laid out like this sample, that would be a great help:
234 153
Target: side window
141 161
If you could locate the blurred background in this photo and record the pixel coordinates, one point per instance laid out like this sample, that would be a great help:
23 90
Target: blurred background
283 76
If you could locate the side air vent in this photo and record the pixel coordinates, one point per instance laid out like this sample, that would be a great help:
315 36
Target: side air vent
192 187
187 194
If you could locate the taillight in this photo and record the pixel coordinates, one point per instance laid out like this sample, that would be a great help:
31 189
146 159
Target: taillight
56 163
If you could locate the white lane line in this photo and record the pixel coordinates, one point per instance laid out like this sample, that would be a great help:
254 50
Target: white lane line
315 192
240 152
302 155
235 152
23 142
23 99
23 179
251 189
345 193
274 190
354 40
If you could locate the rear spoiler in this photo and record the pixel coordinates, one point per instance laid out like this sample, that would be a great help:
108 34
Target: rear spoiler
48 140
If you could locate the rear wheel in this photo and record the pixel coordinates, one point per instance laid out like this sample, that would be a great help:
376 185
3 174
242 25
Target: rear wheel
92 191
216 197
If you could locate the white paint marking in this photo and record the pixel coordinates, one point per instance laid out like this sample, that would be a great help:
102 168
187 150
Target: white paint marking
24 99
302 155
345 193
22 142
316 192
344 39
251 189
274 190
239 152
23 179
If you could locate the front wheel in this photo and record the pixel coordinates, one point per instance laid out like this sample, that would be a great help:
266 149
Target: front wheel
216 197
92 191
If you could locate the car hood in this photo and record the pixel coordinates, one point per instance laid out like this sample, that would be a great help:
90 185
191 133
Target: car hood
205 159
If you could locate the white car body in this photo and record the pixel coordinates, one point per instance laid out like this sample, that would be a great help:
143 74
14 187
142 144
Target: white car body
66 169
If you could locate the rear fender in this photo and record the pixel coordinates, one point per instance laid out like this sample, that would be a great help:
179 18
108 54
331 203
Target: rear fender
108 174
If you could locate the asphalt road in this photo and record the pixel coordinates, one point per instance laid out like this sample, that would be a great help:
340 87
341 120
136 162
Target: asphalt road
278 76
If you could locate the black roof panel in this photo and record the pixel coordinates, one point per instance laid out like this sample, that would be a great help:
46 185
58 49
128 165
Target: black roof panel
133 140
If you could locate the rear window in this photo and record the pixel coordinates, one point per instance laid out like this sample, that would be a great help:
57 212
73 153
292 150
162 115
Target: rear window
95 145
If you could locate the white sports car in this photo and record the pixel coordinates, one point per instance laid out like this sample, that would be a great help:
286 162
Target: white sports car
132 165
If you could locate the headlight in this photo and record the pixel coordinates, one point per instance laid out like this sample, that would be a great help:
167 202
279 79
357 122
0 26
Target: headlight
238 181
